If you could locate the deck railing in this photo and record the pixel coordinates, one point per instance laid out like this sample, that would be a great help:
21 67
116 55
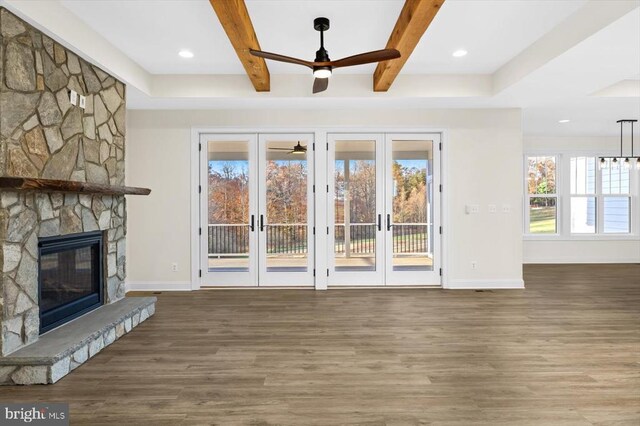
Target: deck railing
290 239
407 238
229 240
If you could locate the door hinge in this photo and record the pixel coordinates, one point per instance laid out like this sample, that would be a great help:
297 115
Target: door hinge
327 271
441 230
440 146
314 272
314 230
327 230
199 147
314 189
440 271
440 187
200 272
199 189
327 189
327 146
199 231
313 146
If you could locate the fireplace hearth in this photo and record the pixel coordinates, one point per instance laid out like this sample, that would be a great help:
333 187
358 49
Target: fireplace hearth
70 279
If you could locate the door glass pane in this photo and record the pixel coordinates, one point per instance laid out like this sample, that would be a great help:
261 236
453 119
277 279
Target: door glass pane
355 206
616 214
412 192
228 206
583 215
542 215
286 195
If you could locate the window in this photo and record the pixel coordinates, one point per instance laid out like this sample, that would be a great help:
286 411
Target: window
616 203
583 195
541 195
572 196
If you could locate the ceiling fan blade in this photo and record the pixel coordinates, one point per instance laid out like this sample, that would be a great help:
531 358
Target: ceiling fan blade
366 58
280 149
320 85
280 58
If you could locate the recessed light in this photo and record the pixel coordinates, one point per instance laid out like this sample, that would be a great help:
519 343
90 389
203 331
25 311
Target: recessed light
459 53
564 121
185 53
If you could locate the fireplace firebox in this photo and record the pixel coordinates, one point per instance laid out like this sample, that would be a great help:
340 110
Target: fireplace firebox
70 279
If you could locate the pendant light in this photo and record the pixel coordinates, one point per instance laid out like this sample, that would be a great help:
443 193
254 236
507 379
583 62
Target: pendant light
625 163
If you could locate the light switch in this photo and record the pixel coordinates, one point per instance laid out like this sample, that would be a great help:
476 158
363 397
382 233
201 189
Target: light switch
82 101
73 97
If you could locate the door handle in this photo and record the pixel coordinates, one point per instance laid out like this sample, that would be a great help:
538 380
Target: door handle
389 225
261 223
379 222
253 223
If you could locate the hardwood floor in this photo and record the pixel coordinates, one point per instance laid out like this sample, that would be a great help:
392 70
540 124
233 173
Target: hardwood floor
565 351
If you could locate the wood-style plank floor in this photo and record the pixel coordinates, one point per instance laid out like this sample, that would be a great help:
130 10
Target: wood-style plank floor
565 351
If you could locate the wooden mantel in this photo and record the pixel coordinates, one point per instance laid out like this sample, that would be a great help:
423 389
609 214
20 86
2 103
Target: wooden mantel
51 185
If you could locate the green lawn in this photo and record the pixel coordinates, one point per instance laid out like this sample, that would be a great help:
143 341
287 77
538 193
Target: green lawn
542 220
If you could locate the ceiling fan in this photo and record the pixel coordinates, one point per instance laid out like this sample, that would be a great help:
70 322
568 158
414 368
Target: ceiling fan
297 149
323 66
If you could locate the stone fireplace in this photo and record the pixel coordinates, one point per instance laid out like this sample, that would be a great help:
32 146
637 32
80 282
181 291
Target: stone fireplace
44 136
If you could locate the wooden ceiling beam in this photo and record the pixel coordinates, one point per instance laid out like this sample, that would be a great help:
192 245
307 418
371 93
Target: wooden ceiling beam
414 19
235 20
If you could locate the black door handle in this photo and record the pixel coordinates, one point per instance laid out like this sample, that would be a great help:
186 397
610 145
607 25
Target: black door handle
253 223
379 222
261 223
389 225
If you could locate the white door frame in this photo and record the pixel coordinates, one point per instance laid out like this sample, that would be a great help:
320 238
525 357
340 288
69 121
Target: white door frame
356 278
268 278
236 278
403 278
321 180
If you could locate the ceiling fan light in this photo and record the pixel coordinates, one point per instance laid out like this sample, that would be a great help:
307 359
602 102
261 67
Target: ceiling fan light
322 72
638 164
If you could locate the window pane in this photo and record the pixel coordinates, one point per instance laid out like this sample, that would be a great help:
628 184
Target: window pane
583 175
541 175
542 215
616 214
583 215
615 181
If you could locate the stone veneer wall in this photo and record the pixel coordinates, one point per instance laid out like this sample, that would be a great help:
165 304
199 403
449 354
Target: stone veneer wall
43 135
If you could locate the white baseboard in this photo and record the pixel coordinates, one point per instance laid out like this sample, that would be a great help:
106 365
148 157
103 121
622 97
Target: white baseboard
557 261
485 284
158 286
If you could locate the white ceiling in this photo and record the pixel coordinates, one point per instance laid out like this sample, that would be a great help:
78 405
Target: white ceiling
152 32
555 59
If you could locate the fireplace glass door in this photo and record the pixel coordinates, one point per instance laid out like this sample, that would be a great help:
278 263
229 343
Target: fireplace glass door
70 277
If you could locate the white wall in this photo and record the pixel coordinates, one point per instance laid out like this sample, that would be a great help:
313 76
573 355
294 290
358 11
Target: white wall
484 167
610 250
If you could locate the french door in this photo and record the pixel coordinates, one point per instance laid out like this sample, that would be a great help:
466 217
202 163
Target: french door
384 207
256 210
